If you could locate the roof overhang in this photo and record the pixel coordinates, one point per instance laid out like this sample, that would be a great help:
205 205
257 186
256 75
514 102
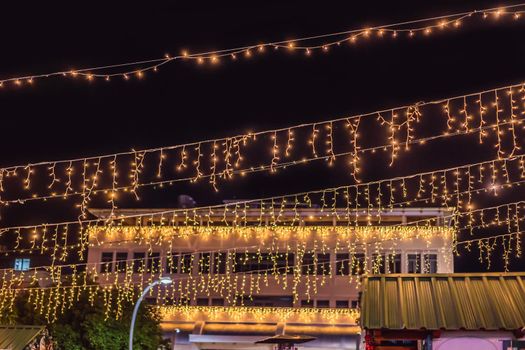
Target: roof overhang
422 303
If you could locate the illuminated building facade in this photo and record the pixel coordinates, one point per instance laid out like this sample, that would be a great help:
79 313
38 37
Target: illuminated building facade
240 277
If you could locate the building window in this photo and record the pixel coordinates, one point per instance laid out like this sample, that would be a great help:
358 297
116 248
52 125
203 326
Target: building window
22 264
414 264
378 263
251 262
389 263
204 263
219 263
355 304
217 302
342 264
172 263
285 262
316 264
323 303
307 303
394 263
269 301
202 301
358 264
186 263
153 262
106 262
323 264
184 301
248 262
429 263
121 261
138 262
307 267
342 304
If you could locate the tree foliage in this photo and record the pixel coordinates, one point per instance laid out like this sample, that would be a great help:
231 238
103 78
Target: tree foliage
86 327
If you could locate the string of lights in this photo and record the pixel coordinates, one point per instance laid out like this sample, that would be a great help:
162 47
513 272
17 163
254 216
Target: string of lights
306 45
421 232
426 228
302 273
277 247
147 234
104 174
60 247
510 241
113 192
451 187
261 314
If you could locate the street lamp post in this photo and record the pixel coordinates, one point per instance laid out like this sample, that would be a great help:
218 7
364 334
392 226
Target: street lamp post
162 280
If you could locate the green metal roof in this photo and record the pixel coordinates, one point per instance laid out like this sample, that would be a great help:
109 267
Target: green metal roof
444 301
17 337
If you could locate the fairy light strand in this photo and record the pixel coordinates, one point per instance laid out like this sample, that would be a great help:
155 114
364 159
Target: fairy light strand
425 26
232 147
485 244
516 161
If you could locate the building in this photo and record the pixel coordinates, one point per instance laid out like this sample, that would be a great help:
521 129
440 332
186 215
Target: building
25 338
444 311
242 276
19 263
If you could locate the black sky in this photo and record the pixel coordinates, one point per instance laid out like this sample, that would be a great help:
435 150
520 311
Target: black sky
62 118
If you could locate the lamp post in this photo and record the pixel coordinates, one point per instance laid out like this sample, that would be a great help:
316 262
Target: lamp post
162 280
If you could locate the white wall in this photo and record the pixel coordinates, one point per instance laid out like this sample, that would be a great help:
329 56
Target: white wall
471 340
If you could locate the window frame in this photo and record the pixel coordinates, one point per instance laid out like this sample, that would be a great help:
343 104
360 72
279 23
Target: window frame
23 266
119 263
106 266
139 262
417 262
153 263
342 264
430 258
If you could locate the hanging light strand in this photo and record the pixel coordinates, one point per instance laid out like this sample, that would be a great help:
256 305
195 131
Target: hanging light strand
108 164
182 215
323 43
64 295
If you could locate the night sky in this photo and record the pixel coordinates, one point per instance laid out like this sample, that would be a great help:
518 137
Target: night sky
61 118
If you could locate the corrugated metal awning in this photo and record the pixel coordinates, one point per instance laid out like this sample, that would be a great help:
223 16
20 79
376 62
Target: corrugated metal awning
18 337
444 301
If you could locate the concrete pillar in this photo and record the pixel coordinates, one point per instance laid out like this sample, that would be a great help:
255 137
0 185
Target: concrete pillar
280 329
198 328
